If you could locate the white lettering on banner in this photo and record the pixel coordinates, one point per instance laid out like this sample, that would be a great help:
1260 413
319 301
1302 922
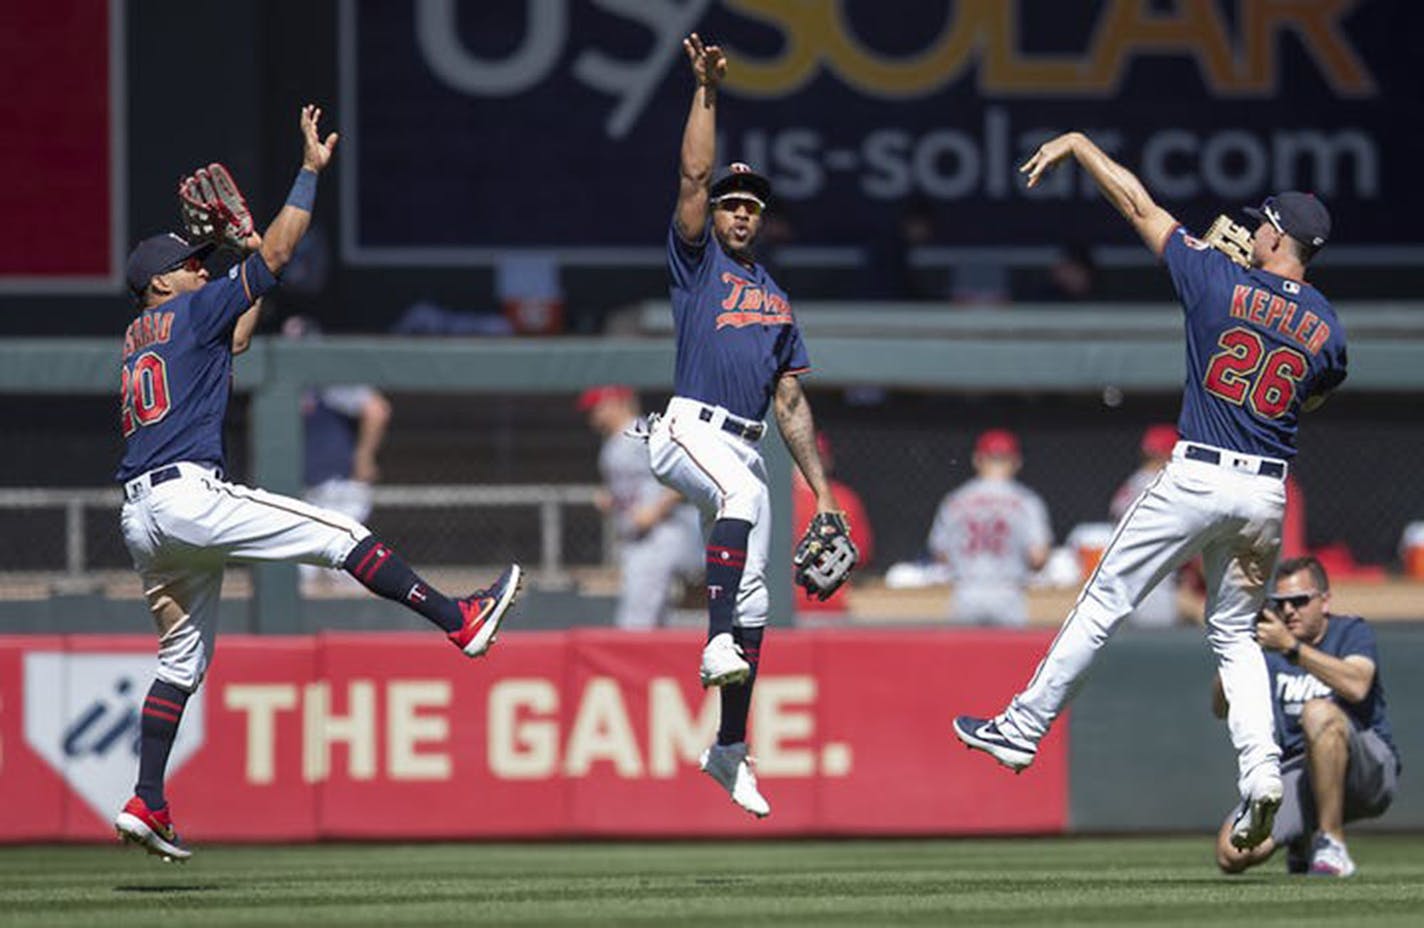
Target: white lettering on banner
82 716
321 729
675 739
781 718
261 702
407 728
522 748
964 163
524 733
602 732
1236 55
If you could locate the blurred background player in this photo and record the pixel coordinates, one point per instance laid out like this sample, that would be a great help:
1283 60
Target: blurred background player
809 609
1158 608
1262 346
739 351
659 533
343 428
993 534
1338 759
183 522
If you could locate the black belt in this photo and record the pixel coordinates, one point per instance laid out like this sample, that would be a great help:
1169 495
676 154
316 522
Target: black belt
751 431
1266 469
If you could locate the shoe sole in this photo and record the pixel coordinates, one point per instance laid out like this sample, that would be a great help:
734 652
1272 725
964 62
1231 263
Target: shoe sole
1259 821
1016 761
131 829
482 642
729 678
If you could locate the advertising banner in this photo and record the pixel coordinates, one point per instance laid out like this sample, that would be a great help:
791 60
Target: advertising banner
556 125
393 735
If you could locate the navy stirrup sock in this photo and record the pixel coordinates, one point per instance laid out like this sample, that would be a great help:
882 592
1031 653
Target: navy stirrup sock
384 573
162 711
737 700
726 558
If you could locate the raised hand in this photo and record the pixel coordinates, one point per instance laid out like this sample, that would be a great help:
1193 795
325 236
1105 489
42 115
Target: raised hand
709 65
316 154
1048 154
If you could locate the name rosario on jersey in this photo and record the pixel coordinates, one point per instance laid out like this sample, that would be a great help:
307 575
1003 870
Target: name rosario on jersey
147 329
1269 311
748 304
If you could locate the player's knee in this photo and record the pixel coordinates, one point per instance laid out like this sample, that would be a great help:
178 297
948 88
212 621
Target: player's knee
1321 719
744 500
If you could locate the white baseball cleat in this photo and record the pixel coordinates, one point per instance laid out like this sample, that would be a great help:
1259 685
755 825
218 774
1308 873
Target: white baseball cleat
1257 815
722 662
985 735
1329 858
728 765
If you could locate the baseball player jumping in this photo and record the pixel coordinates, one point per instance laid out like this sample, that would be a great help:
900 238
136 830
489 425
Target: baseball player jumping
738 351
1262 345
183 522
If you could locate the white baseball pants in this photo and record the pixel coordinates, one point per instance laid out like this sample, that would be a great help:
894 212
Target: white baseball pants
181 532
723 475
1231 515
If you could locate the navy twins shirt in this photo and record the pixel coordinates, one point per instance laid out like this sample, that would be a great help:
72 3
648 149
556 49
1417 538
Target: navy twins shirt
1292 686
735 331
177 372
1258 345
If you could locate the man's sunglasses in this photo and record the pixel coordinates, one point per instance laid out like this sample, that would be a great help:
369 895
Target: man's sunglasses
1298 601
191 263
730 204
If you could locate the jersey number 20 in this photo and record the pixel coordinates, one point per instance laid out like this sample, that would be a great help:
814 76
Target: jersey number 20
143 394
1242 371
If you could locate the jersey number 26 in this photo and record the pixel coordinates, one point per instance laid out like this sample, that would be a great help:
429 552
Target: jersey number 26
143 393
1244 372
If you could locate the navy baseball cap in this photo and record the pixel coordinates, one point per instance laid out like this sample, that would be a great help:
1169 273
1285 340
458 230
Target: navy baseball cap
1299 215
739 179
159 254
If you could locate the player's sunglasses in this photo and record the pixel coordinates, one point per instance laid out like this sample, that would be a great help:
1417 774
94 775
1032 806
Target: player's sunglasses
730 204
1273 215
1298 601
192 264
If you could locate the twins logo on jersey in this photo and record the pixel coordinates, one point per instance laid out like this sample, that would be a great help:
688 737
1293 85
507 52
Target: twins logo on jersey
748 304
1294 690
82 717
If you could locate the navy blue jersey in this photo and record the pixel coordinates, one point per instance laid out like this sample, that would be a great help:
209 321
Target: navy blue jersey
1291 686
1257 346
735 331
178 369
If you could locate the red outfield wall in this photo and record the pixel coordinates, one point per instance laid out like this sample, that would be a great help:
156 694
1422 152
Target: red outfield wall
552 734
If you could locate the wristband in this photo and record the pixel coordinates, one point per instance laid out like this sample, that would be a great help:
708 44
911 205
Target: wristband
1292 656
303 193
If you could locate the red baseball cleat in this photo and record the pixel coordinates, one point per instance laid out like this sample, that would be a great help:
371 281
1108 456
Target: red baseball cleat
153 831
483 610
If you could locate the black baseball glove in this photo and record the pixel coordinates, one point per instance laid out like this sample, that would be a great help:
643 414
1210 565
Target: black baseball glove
825 556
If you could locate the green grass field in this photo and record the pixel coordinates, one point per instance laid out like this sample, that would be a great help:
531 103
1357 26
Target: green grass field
1124 881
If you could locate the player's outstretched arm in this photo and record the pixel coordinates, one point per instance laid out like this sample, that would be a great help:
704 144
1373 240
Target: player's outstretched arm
1121 187
699 142
793 417
281 238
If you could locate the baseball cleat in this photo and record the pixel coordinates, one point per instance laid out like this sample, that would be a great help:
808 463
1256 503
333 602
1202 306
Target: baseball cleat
153 831
1329 858
722 662
984 735
484 610
1256 816
729 765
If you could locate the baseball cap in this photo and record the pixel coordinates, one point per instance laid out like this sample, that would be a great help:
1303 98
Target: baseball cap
595 395
997 442
741 180
159 254
1300 215
1159 439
